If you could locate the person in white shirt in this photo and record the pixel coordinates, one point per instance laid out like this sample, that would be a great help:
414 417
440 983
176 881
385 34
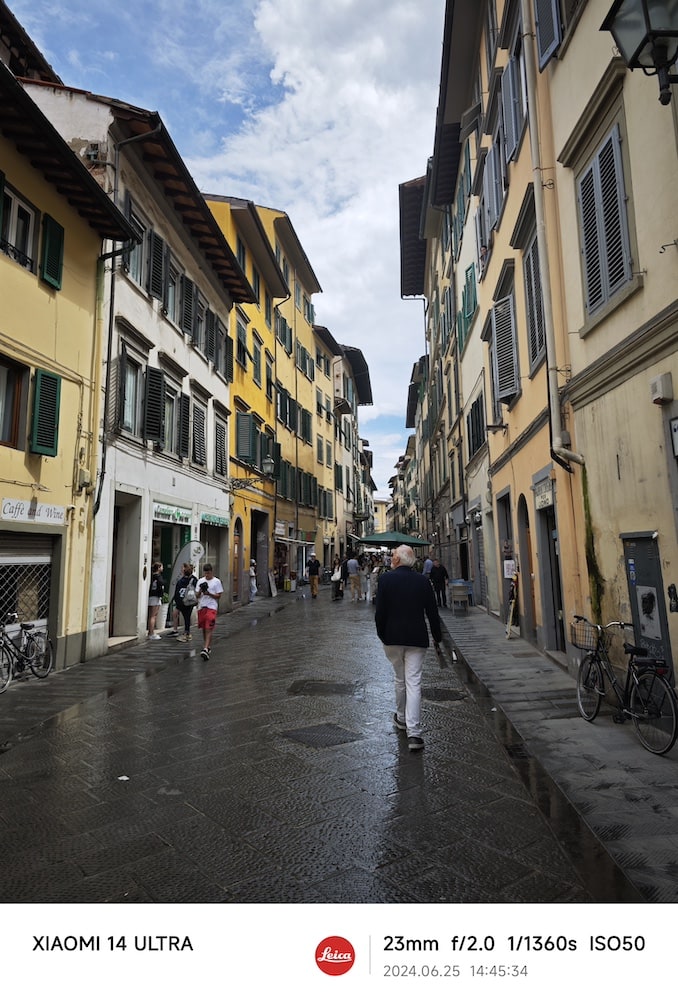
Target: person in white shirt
209 591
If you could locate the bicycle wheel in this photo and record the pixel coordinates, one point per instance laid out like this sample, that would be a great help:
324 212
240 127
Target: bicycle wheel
654 711
39 654
590 687
5 668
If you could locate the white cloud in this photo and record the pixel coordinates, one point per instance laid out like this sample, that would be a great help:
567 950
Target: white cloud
319 109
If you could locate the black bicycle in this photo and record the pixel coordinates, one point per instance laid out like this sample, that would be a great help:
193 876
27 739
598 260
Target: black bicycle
646 697
30 650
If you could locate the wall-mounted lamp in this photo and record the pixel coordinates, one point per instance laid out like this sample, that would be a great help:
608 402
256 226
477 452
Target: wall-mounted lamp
646 34
238 483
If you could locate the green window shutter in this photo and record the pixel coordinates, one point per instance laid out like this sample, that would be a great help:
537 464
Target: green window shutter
154 406
246 437
45 422
52 252
220 448
228 363
210 335
277 458
187 305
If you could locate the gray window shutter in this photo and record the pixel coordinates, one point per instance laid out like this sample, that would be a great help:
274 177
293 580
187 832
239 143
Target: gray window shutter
505 349
547 20
534 303
508 104
154 406
199 442
184 425
210 335
187 305
228 363
45 422
220 448
156 272
604 226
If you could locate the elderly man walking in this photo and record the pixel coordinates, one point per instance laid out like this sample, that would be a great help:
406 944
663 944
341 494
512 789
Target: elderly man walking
404 600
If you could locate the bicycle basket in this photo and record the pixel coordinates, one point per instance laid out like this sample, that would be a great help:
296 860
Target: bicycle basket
586 636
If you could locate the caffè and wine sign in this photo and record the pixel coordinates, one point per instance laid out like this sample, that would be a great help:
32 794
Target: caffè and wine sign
32 511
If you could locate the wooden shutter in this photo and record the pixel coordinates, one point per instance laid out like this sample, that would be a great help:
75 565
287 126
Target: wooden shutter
156 270
210 335
154 407
52 252
220 448
534 303
509 111
246 438
187 305
613 214
184 425
199 442
45 421
547 23
505 350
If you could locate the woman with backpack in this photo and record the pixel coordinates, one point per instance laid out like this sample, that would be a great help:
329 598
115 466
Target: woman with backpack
185 598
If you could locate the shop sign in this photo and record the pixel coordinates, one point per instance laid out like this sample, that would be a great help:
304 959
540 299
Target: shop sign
171 513
32 511
280 529
211 519
543 494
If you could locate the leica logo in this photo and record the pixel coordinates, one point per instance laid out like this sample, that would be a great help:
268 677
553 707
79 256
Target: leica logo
334 955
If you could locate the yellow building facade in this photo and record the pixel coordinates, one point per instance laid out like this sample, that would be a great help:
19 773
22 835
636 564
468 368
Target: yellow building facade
50 372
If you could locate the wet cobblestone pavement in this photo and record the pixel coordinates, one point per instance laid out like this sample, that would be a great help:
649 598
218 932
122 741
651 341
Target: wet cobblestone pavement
273 773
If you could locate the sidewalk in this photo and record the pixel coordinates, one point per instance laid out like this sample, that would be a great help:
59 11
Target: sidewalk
626 795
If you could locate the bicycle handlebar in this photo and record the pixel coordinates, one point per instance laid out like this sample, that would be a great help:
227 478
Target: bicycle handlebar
603 626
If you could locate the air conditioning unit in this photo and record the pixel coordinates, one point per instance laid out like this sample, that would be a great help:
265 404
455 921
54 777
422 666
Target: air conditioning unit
96 152
661 389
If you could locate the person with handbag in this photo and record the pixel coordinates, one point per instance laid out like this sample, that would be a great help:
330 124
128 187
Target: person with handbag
336 580
185 598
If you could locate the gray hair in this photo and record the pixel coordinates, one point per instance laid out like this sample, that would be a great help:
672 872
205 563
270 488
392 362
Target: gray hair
405 555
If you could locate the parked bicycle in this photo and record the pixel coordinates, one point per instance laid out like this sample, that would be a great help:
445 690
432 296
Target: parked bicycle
30 650
646 697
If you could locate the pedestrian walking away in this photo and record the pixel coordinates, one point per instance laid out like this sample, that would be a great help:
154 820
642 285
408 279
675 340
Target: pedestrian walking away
186 598
428 566
313 572
404 601
335 578
353 568
440 580
253 580
156 590
209 590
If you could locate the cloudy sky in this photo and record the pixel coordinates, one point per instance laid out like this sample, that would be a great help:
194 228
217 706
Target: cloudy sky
320 108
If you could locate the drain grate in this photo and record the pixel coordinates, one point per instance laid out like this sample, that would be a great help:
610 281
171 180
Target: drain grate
322 736
442 694
322 687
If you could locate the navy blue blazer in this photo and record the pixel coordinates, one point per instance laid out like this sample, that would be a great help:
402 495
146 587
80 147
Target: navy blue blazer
403 597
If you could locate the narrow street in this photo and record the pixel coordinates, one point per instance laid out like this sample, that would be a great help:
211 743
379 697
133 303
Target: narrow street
273 773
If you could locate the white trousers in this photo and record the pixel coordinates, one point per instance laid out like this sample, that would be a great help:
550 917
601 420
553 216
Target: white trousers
407 663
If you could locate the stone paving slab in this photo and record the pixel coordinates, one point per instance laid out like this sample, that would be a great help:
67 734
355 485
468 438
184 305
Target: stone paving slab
626 795
272 773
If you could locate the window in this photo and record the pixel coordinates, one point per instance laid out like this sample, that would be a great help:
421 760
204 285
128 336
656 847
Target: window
475 426
172 399
246 438
137 256
601 198
131 376
514 95
269 376
199 335
241 254
256 359
320 455
13 382
241 345
536 327
172 293
328 454
256 285
17 227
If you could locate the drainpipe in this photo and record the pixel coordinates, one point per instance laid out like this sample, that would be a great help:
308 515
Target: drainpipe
111 306
559 452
